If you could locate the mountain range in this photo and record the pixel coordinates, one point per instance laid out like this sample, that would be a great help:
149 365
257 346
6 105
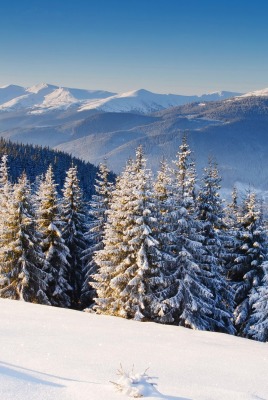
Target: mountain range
231 127
43 98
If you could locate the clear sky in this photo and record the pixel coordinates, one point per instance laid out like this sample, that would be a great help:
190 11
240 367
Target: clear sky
166 46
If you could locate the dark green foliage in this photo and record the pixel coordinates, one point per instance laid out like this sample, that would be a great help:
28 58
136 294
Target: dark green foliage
35 160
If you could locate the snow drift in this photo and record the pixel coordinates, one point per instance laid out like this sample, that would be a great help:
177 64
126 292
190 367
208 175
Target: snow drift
50 353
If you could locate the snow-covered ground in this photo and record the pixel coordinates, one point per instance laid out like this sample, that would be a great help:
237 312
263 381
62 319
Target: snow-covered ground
57 354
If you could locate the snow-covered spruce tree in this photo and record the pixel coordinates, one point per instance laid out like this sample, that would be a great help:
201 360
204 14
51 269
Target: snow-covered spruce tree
128 262
210 214
245 272
53 246
73 232
259 319
185 175
5 192
98 207
23 266
189 298
165 223
232 211
6 204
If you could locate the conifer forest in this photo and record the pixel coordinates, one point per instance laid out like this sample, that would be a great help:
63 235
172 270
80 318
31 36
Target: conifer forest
162 248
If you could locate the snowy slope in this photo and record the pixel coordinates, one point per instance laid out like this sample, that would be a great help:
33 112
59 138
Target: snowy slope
9 92
55 354
143 101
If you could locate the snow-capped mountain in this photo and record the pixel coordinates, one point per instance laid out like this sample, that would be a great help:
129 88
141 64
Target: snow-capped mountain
256 93
43 97
143 101
10 92
233 130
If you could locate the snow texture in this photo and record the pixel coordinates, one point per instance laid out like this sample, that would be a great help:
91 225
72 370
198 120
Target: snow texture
57 354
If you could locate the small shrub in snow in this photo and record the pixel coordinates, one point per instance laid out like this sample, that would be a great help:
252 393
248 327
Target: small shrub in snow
134 384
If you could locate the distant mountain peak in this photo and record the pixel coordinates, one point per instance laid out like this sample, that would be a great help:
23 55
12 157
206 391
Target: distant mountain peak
40 86
11 87
256 93
44 97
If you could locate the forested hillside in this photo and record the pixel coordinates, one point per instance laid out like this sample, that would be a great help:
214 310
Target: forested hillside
35 160
166 250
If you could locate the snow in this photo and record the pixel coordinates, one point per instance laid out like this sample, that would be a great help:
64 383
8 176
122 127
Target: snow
144 101
51 353
44 97
256 93
40 86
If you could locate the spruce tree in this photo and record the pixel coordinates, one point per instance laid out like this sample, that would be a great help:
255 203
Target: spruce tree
190 297
128 262
98 207
211 215
23 266
56 252
245 271
73 232
259 319
5 195
164 227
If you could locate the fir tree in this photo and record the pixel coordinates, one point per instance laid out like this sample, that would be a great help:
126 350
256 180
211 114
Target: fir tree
22 263
99 205
211 215
74 228
259 319
164 226
190 298
185 174
5 189
128 263
53 246
245 271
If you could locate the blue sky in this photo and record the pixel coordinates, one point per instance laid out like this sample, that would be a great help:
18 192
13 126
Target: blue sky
167 46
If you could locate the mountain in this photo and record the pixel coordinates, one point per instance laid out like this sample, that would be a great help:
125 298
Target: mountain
10 92
145 102
50 353
43 98
256 93
232 130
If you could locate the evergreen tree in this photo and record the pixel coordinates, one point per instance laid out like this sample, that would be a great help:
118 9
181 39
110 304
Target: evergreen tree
127 264
99 205
74 228
190 297
53 246
245 272
211 215
164 227
185 174
259 320
22 262
5 188
232 211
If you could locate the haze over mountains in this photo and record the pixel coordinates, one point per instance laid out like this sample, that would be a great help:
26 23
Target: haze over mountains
94 125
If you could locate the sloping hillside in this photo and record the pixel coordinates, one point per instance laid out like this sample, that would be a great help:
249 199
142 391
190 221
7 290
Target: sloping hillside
50 353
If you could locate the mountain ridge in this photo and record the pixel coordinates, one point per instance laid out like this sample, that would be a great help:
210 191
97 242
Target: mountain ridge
43 97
